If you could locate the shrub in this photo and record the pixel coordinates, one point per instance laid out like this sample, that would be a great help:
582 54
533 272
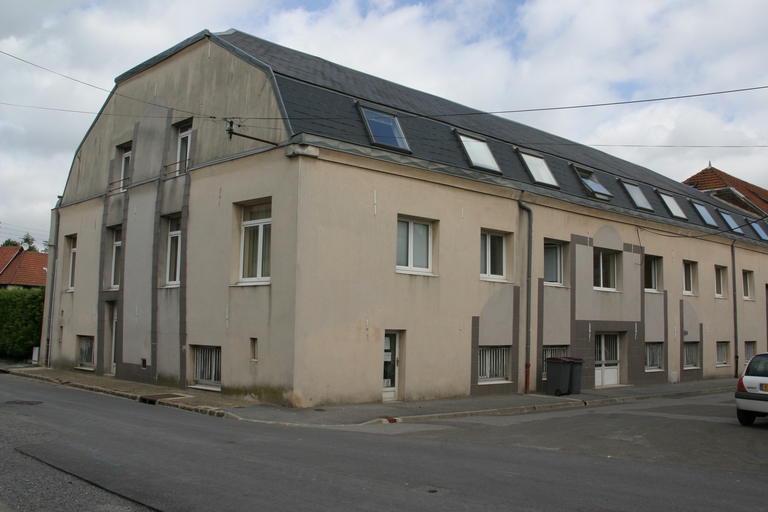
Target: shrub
21 322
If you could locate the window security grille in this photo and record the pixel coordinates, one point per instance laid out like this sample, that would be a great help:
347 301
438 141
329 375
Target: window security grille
208 365
551 352
493 363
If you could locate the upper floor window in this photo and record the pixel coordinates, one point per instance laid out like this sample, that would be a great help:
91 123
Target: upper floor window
478 153
690 277
414 245
173 260
125 167
604 275
759 230
705 215
731 223
748 283
593 186
637 196
672 206
72 242
384 129
117 250
538 169
652 278
721 281
553 263
256 242
491 255
183 146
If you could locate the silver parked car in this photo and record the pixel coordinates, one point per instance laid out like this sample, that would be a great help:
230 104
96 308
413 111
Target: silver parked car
752 391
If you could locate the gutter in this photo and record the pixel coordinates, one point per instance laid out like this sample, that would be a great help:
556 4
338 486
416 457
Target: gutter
735 315
525 207
51 289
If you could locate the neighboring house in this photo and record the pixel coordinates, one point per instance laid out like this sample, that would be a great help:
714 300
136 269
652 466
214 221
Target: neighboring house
245 217
750 198
22 269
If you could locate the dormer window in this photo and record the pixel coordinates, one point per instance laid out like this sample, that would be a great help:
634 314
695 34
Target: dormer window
538 169
705 215
594 187
637 196
384 129
731 223
478 153
671 204
759 230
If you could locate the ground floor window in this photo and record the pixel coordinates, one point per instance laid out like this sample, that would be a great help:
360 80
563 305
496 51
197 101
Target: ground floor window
749 350
557 351
207 365
493 363
722 352
653 356
691 355
85 351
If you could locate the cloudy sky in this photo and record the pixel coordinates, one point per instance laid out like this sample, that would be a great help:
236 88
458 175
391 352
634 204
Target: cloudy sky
493 55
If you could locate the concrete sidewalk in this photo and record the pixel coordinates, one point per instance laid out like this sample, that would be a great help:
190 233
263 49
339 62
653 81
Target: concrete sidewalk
249 409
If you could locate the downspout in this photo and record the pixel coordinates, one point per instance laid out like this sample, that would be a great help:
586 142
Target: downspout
52 287
735 315
524 207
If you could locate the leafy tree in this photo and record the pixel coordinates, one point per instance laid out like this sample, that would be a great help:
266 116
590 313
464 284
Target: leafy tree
10 242
29 240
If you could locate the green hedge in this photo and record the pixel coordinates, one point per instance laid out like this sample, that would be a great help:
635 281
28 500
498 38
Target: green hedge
21 322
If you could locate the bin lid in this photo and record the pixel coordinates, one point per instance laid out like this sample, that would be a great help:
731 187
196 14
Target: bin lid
558 359
573 359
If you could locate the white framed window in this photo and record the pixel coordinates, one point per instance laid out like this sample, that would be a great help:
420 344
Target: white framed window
492 255
256 242
478 153
384 129
637 195
125 167
85 351
414 245
492 364
604 269
749 350
721 281
671 204
553 263
183 146
538 169
591 183
173 259
731 222
722 353
551 351
654 356
748 283
207 365
690 277
117 250
691 354
652 277
72 242
705 215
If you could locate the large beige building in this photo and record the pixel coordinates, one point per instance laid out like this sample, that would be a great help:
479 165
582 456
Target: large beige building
245 217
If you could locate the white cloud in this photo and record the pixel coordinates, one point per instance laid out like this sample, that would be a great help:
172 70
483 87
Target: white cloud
490 54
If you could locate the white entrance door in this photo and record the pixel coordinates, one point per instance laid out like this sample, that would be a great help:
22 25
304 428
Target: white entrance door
606 360
391 362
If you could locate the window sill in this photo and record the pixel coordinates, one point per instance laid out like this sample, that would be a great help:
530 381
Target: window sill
414 273
722 365
251 283
689 294
493 381
721 297
654 370
69 290
206 387
609 290
691 368
166 286
749 299
653 290
85 368
490 279
554 284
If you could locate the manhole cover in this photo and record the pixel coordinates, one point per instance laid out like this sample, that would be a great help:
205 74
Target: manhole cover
24 402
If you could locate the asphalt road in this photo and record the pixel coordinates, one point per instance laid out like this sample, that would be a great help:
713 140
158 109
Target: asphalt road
679 454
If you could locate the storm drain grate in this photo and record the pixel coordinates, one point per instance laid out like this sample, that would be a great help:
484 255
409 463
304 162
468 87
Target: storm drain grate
24 402
152 399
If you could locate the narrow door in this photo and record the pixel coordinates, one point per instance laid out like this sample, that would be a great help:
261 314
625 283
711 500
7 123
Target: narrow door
606 360
391 362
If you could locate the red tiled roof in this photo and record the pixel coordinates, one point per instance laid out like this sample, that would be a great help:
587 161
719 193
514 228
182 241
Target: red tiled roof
712 179
22 268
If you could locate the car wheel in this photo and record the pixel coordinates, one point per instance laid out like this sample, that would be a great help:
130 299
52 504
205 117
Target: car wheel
746 418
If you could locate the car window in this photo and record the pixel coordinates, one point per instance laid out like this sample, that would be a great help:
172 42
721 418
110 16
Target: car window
758 367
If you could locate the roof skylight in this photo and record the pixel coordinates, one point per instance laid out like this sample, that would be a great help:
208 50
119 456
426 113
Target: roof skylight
538 169
731 223
384 129
478 153
594 187
672 206
705 215
759 230
637 196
